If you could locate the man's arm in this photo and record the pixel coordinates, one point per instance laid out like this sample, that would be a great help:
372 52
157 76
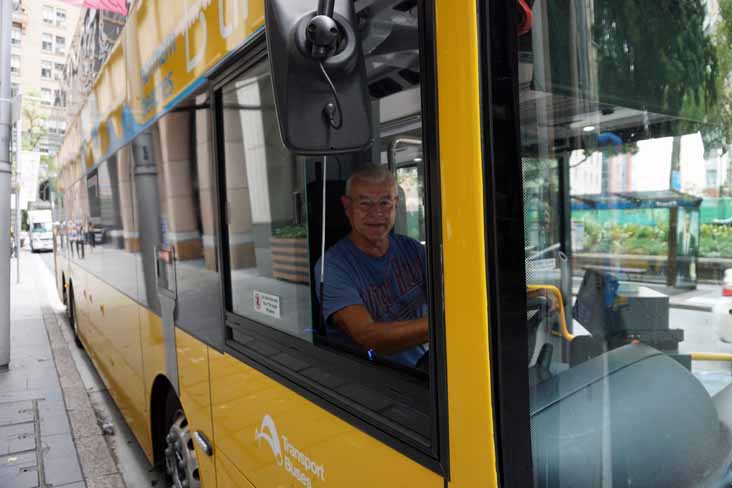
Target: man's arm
383 337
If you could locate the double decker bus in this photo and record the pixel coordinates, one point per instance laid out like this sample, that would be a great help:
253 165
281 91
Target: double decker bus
552 157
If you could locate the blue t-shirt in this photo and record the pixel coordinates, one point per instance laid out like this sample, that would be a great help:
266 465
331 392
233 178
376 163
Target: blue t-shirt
392 287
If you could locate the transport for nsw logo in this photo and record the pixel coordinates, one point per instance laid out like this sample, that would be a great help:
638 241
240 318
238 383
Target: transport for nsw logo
268 433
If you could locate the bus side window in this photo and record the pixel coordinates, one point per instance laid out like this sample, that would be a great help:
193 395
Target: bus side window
272 242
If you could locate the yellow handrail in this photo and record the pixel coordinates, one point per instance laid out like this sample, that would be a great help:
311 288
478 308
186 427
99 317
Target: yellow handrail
558 295
711 356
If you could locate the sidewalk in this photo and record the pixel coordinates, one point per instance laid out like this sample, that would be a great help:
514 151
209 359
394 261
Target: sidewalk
49 435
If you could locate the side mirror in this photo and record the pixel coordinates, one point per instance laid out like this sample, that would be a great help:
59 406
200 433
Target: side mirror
312 119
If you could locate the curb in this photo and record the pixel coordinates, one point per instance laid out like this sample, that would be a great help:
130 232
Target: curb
97 464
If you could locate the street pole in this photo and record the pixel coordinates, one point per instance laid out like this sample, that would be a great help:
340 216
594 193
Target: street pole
6 14
18 148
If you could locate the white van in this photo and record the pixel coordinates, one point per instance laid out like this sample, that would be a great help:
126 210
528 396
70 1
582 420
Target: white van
40 223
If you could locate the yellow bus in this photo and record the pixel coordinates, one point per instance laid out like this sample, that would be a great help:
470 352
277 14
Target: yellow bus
553 162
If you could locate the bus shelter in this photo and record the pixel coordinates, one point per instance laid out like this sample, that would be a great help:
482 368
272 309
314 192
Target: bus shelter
658 234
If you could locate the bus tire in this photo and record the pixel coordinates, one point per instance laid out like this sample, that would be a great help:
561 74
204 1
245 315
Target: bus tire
71 313
64 293
181 466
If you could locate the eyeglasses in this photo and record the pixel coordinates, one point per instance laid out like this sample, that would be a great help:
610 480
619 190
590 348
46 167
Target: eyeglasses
366 205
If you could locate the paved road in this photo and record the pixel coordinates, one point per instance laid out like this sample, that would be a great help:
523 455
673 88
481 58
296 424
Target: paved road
131 461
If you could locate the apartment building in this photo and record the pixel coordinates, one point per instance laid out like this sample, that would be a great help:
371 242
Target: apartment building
41 35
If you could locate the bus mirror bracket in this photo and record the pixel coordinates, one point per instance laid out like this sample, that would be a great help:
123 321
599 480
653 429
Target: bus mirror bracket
309 50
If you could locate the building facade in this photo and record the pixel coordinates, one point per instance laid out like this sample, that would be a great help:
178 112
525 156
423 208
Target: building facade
41 34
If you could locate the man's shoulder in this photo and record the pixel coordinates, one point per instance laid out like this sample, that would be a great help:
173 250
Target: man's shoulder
340 252
342 246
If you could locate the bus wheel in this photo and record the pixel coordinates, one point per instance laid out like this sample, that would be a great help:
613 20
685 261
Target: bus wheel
73 317
181 465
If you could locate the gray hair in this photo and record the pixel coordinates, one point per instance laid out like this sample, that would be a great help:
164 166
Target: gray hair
371 173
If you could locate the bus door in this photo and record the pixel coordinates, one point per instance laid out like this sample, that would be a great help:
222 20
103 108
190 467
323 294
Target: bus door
311 407
167 288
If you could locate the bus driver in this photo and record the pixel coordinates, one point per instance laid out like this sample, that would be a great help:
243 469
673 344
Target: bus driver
375 280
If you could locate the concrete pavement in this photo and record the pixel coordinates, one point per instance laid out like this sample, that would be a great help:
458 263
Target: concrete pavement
49 431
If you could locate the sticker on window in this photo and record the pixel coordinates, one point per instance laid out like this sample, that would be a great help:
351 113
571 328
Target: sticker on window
267 304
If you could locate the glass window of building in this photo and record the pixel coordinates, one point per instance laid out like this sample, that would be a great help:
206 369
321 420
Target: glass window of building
15 64
59 98
15 35
46 69
48 14
60 17
58 71
60 44
47 42
46 96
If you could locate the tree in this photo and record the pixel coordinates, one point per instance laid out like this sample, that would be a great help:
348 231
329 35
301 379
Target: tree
34 123
658 56
655 55
35 117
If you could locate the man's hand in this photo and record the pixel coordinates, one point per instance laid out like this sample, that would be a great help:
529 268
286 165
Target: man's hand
383 337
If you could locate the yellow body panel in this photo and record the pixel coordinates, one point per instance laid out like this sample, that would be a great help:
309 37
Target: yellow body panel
109 328
119 330
153 356
243 398
195 397
472 450
228 476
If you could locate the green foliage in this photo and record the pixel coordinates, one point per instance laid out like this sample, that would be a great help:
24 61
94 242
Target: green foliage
34 122
716 241
718 132
656 54
290 232
626 239
652 240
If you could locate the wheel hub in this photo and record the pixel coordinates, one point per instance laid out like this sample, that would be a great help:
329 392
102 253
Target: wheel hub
180 456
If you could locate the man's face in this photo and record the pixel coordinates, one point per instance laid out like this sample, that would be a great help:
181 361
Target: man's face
371 209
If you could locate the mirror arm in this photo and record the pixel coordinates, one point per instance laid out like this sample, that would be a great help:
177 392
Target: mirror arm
326 7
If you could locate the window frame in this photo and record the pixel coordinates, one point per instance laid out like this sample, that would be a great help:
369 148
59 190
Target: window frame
60 21
48 20
44 48
59 47
16 39
58 71
15 67
46 66
436 456
504 238
48 101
